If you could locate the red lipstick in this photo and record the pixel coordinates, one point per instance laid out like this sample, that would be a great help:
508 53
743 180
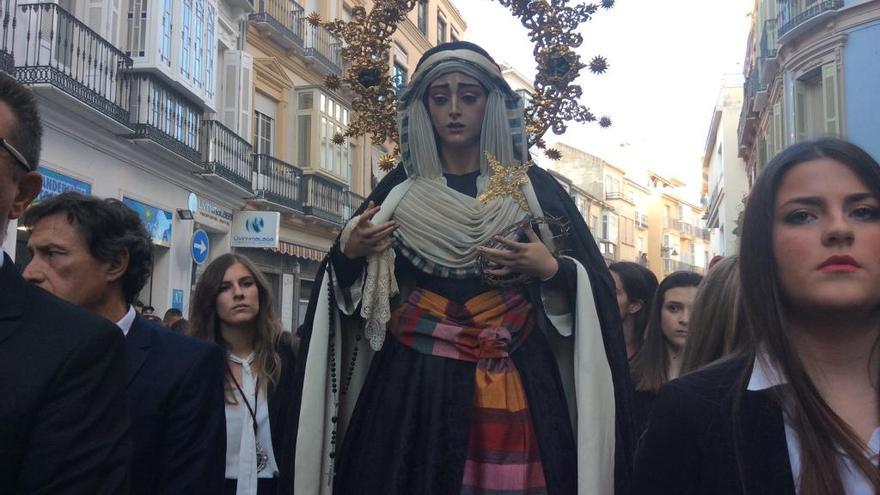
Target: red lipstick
839 264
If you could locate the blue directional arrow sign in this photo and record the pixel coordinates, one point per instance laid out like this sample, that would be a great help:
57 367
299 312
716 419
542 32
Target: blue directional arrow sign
201 246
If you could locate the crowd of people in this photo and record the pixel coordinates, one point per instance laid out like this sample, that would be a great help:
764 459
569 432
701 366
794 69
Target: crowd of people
439 357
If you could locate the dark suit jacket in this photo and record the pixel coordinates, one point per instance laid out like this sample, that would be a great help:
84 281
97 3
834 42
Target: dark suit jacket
63 423
697 443
175 399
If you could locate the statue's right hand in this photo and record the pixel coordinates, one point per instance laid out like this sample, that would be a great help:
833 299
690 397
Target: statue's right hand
367 238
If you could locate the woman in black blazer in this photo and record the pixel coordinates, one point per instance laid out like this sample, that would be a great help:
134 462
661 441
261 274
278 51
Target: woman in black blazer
232 306
798 410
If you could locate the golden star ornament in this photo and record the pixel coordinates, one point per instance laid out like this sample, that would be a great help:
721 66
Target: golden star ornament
506 181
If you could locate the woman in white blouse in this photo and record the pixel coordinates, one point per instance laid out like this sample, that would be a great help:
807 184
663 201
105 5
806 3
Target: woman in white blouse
798 411
232 306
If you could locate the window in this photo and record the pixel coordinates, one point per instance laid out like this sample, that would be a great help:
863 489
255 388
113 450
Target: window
186 38
209 53
441 28
263 128
609 227
197 43
165 51
816 103
612 187
526 97
137 28
335 158
423 16
398 78
454 35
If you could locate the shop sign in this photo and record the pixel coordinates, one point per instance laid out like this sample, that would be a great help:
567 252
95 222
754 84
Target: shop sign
256 229
157 221
55 183
208 212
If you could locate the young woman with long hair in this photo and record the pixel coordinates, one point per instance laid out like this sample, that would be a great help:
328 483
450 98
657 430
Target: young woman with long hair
232 306
715 324
659 359
798 411
635 286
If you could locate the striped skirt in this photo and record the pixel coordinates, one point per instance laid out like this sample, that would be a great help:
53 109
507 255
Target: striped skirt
502 452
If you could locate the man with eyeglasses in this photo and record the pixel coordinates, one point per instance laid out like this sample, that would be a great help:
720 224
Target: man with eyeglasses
63 421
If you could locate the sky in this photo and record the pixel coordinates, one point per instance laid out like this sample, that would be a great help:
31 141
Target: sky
667 62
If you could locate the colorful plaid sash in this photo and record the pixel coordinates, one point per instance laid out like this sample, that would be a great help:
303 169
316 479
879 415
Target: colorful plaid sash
502 451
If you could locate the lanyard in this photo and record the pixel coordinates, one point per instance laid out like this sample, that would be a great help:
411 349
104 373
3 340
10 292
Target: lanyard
251 410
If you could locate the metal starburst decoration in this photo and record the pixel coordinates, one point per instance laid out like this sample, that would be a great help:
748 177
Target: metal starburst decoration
506 181
552 26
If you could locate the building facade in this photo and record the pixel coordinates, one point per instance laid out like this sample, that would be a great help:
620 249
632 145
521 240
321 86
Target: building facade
725 184
205 115
810 71
634 218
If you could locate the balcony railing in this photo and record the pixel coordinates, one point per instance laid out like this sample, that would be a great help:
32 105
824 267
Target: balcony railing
226 154
7 11
325 199
670 265
613 195
53 47
355 201
685 228
793 16
704 234
278 181
641 220
608 249
286 17
161 114
325 48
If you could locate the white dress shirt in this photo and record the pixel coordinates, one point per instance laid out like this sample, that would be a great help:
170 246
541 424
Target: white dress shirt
241 462
127 320
765 375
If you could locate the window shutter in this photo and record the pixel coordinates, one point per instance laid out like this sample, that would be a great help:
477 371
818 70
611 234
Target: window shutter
246 94
777 128
830 99
95 19
231 60
800 112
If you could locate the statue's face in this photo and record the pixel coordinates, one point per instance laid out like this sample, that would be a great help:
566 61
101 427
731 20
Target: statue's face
457 103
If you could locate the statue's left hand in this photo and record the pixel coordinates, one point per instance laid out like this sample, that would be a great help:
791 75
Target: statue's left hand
530 258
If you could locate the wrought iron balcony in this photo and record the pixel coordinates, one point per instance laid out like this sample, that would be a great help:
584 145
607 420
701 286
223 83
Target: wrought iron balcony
7 10
608 249
278 182
55 48
324 48
613 195
685 228
325 199
284 17
161 114
793 16
355 201
226 154
670 265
